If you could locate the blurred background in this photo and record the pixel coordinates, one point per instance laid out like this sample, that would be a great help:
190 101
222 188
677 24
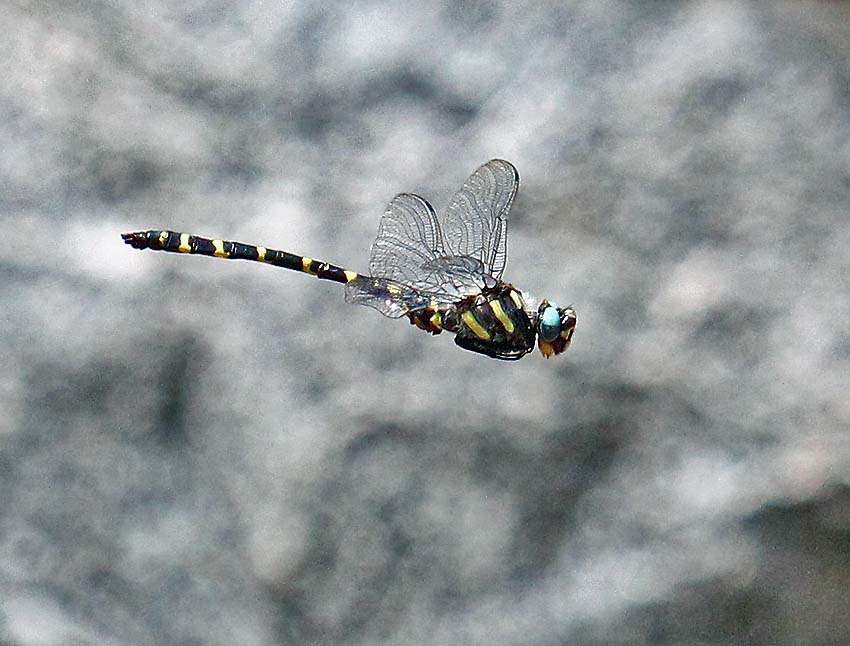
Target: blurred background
200 452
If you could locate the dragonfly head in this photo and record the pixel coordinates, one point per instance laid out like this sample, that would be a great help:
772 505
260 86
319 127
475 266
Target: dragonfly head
555 327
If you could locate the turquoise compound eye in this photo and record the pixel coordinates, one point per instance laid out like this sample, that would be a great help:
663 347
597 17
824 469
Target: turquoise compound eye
550 323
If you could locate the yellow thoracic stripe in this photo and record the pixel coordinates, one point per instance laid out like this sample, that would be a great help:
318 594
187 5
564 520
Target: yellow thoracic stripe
473 324
218 246
504 319
349 275
184 243
436 320
517 299
305 264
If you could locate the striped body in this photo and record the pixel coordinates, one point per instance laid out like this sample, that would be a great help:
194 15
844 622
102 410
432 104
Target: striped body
187 243
494 323
440 273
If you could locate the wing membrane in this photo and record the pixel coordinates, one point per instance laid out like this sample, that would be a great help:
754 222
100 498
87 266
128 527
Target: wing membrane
408 239
388 297
416 263
409 252
476 221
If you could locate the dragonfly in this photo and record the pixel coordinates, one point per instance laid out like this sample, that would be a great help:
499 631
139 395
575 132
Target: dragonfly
441 274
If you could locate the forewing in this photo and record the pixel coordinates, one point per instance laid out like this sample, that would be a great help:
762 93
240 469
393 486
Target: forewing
409 252
408 239
476 221
416 263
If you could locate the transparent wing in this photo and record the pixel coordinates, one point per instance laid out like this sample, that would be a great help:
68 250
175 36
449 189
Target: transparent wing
409 253
388 297
458 276
476 221
408 239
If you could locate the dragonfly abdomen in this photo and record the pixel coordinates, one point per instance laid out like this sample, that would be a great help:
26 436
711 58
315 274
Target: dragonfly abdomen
175 242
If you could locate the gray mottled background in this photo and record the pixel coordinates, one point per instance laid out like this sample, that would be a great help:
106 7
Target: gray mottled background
201 452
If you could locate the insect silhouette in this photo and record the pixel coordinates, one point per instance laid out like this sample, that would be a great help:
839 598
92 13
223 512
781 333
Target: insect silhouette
442 274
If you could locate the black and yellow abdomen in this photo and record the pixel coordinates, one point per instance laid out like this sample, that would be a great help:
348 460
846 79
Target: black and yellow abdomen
187 243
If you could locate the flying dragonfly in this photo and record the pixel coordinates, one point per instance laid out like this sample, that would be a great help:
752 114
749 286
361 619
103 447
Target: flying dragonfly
441 274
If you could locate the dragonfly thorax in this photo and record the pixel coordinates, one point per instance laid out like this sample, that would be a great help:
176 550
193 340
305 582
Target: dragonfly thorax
494 322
